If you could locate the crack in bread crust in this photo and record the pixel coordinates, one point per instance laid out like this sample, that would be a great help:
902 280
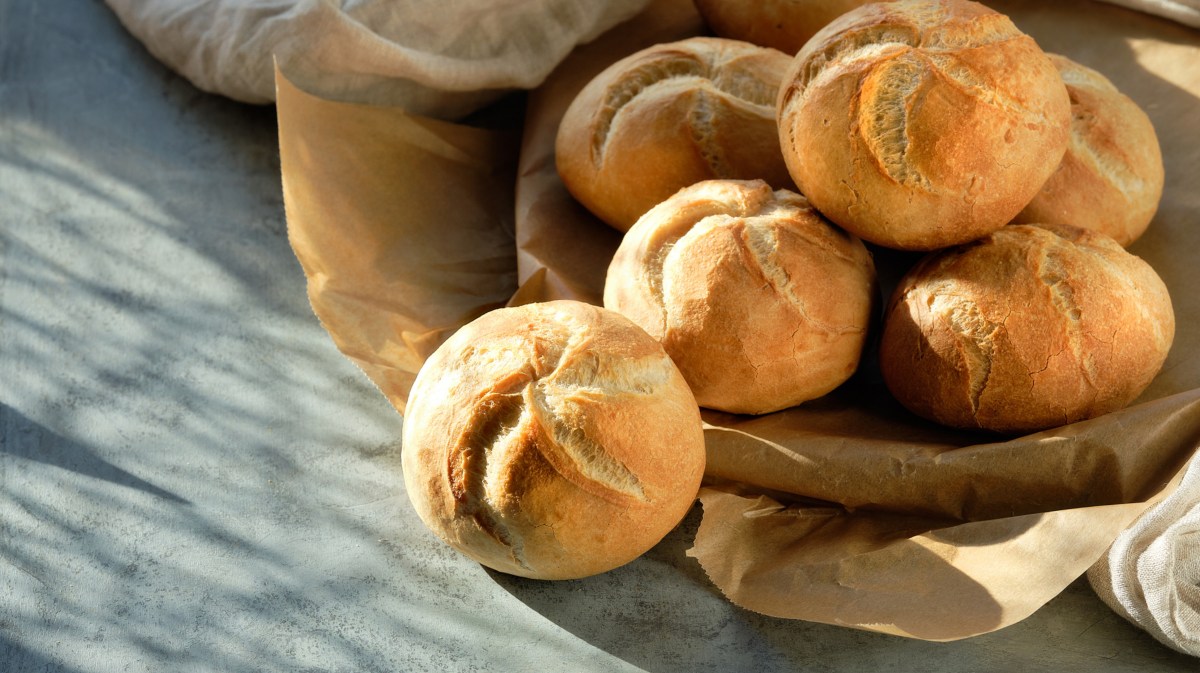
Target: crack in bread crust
900 56
883 118
924 31
966 80
975 334
702 118
851 46
634 83
578 378
1109 163
689 222
1052 274
760 239
711 74
532 409
574 454
982 31
471 466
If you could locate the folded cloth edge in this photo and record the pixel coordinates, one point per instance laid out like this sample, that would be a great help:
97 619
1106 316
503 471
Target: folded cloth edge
1150 575
1186 12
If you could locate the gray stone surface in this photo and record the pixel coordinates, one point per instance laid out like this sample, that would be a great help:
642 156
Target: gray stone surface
192 478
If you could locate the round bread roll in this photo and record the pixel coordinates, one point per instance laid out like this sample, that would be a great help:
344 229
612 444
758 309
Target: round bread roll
1111 178
761 302
1029 328
552 441
669 116
780 24
918 125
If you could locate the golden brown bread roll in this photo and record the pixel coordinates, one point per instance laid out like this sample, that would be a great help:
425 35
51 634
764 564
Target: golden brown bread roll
551 441
761 302
669 116
780 24
1111 178
1029 328
918 125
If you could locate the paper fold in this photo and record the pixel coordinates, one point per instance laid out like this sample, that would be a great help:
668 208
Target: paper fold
403 225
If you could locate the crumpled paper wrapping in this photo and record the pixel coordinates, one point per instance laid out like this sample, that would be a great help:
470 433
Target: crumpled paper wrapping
403 226
846 510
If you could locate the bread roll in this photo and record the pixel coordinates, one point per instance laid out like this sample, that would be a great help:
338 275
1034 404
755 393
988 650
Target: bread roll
670 116
918 125
761 302
551 441
780 24
1029 328
1111 178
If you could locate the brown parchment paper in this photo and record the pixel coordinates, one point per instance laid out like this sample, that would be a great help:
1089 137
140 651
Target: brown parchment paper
846 510
403 225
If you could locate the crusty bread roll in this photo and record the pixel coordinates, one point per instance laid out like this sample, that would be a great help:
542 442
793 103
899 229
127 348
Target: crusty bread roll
1111 178
1029 328
551 441
780 24
761 302
918 124
669 116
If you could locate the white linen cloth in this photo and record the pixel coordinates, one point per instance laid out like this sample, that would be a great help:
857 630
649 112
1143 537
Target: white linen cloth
1151 574
440 58
1186 12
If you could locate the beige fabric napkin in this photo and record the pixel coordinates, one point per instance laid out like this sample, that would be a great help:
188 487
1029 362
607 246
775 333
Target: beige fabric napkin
1186 12
1151 574
442 58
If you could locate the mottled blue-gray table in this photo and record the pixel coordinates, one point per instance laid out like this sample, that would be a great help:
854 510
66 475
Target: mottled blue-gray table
192 478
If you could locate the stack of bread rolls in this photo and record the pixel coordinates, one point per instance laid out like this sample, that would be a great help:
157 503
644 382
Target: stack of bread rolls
931 126
750 185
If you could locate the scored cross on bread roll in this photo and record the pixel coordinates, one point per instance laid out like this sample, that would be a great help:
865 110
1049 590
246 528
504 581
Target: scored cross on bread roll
920 124
551 441
667 117
761 302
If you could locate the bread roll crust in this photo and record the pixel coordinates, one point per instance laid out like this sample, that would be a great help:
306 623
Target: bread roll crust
551 441
761 302
1111 178
1029 328
669 116
780 24
918 125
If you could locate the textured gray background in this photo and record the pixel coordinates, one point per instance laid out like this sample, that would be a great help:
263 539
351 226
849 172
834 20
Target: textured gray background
192 478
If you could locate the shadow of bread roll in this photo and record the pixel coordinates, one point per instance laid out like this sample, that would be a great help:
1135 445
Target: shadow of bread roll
669 116
1028 328
551 441
918 125
1111 178
762 302
780 24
